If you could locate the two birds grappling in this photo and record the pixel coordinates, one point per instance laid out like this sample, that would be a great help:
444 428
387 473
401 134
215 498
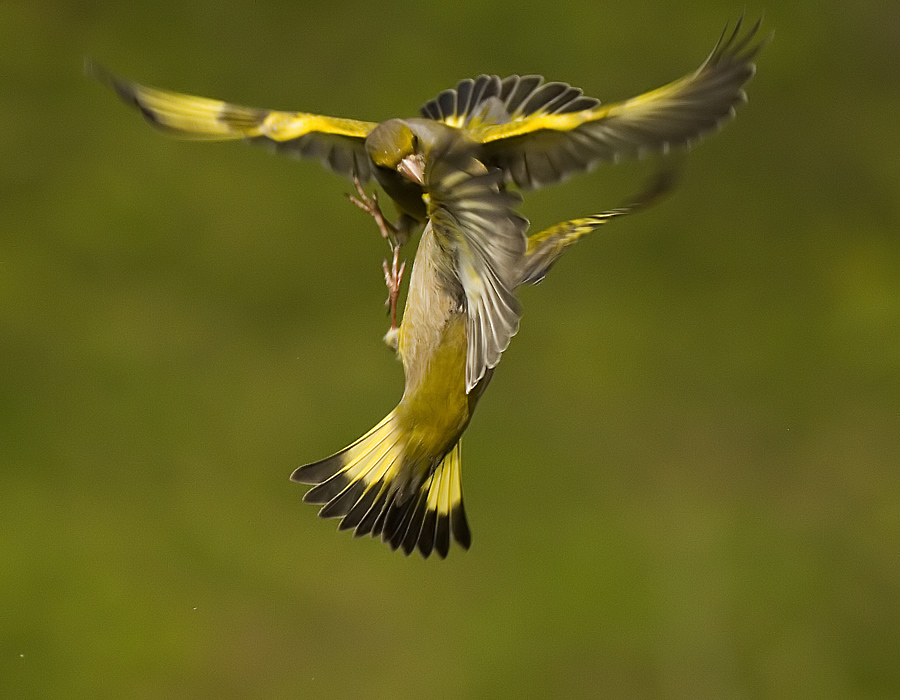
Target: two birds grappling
448 172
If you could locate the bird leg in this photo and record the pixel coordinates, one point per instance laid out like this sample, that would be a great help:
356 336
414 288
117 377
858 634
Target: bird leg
393 273
393 276
369 204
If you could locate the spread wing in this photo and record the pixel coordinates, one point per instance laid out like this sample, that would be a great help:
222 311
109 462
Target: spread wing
547 246
477 222
550 135
339 144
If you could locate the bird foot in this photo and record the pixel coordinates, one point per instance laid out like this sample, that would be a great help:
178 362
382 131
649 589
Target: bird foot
393 272
393 277
369 204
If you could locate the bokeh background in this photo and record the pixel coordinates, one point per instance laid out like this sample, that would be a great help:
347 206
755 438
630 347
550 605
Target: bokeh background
683 482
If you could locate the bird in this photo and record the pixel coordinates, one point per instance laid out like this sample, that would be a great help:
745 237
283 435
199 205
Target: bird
401 480
457 172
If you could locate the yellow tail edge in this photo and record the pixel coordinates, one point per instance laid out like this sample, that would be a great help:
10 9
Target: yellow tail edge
372 488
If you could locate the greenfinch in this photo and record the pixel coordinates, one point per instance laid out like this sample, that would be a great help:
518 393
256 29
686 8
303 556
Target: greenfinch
449 170
401 480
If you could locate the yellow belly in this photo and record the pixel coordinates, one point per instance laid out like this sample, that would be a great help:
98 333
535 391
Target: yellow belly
435 408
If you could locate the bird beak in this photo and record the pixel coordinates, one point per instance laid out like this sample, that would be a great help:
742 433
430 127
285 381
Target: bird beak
413 168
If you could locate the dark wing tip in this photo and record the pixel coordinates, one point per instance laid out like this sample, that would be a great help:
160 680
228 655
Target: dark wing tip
738 47
97 71
103 75
127 91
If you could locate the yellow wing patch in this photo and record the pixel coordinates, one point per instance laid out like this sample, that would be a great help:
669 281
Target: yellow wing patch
337 143
530 124
204 118
635 108
541 148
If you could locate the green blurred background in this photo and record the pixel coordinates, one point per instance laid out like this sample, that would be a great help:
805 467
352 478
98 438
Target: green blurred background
682 483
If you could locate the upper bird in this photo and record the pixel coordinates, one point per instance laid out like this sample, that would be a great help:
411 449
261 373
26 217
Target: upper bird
449 169
535 132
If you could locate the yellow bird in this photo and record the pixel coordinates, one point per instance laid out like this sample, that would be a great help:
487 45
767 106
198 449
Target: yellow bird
449 169
401 480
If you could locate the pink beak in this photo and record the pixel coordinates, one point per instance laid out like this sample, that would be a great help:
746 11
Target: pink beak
413 168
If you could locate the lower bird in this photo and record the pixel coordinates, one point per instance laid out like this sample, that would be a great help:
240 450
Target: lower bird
449 170
401 480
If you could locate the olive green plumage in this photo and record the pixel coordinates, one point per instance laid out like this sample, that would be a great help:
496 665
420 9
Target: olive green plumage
449 170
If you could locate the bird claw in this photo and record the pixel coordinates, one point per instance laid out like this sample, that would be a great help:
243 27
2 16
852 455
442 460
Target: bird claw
393 272
369 204
393 277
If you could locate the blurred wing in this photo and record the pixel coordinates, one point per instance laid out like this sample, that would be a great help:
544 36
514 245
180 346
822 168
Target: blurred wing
477 222
544 147
547 246
338 143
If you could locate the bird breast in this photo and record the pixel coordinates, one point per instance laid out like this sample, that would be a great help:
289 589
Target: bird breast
433 331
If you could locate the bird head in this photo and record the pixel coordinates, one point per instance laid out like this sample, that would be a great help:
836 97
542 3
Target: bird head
404 153
394 145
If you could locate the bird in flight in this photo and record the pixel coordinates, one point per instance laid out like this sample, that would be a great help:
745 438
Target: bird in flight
451 170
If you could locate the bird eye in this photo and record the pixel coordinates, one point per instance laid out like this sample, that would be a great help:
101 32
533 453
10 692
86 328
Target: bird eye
414 143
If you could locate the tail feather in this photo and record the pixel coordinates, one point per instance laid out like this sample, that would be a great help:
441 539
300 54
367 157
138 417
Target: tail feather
414 529
444 513
446 502
372 488
367 526
400 517
358 510
341 504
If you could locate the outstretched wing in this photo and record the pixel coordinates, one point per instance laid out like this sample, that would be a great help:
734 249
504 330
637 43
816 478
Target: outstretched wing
476 220
544 145
339 144
547 246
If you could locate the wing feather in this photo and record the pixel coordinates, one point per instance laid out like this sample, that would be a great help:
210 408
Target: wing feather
535 147
337 143
475 219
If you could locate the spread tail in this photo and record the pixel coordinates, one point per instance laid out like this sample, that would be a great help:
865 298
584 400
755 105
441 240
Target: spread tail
372 487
